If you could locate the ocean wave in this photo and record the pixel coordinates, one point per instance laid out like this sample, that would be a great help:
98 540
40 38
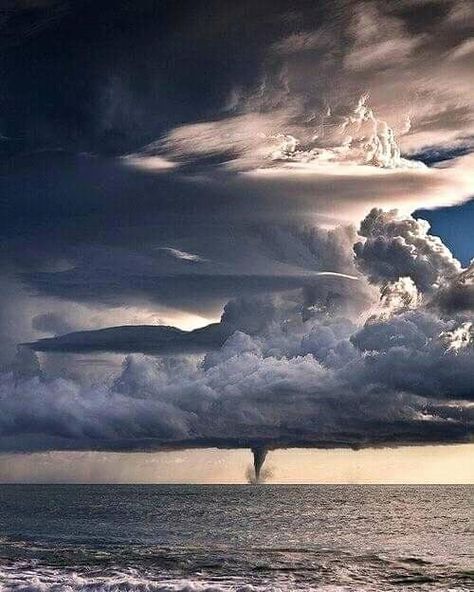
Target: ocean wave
75 583
16 580
34 576
55 581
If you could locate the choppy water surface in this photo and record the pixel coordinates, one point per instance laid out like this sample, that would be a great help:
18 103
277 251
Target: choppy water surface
235 538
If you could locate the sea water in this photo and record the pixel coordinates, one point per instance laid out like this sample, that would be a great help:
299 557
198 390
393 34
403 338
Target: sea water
194 538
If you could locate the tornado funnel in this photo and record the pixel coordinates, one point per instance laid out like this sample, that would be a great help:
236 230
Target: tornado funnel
259 455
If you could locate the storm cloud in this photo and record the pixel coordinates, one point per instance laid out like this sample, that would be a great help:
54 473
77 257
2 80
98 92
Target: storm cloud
301 368
224 195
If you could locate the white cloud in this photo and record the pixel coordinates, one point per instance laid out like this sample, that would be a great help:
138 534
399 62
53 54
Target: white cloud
183 255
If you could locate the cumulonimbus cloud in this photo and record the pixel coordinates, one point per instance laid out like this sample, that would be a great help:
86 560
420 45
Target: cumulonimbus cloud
297 358
299 368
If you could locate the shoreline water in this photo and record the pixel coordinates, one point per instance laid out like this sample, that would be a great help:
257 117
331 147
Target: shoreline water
235 538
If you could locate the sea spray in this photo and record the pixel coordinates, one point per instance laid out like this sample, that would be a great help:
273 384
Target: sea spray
265 474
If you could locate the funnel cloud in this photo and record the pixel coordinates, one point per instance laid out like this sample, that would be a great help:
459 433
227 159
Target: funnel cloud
259 455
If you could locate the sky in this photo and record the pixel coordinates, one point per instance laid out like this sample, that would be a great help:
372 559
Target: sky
233 226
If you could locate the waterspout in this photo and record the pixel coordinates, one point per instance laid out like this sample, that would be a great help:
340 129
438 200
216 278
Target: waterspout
259 455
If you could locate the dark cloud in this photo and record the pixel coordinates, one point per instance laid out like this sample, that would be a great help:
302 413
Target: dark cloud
305 385
434 154
142 339
51 322
130 72
83 240
302 368
164 160
457 296
410 353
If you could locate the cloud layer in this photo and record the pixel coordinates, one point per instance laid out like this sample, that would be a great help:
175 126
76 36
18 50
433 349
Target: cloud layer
323 366
195 169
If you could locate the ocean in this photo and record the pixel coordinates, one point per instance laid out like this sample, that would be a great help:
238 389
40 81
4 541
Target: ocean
240 538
